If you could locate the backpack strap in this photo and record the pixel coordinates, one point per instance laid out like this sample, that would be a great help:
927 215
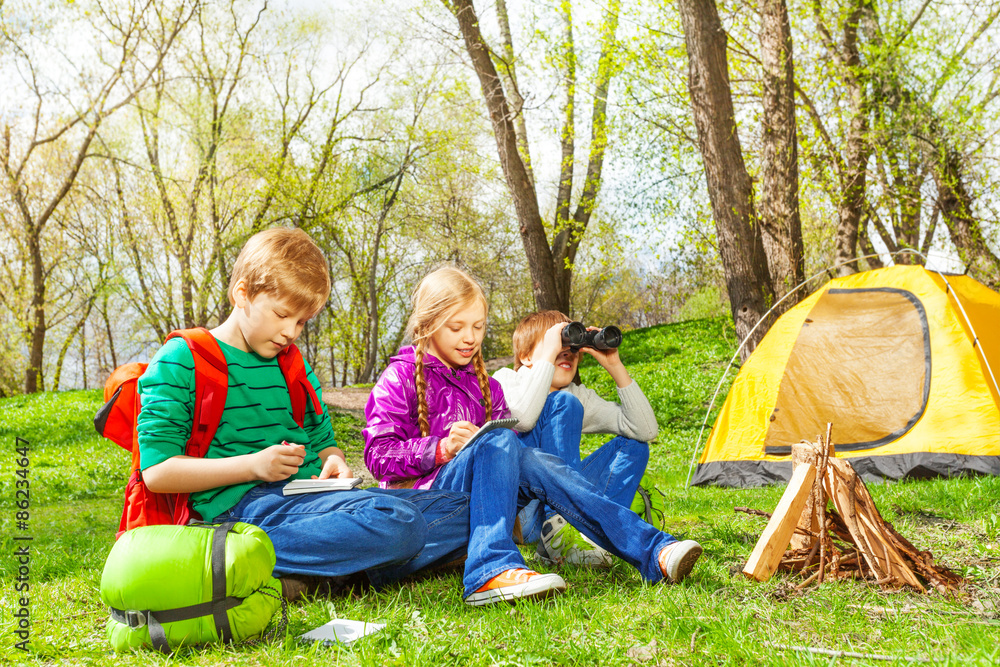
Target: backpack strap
300 389
211 382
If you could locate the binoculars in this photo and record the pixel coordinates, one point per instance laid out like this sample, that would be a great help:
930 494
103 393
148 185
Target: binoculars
576 336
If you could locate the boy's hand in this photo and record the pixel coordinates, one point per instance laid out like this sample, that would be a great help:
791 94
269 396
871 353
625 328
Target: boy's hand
278 462
335 467
606 358
551 345
611 362
457 437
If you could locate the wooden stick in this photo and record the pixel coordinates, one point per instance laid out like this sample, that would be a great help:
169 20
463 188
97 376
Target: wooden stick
843 654
772 543
804 453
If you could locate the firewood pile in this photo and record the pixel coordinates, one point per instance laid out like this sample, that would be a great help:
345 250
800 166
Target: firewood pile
849 540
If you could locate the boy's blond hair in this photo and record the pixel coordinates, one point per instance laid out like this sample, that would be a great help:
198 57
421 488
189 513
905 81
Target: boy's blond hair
530 331
439 294
285 263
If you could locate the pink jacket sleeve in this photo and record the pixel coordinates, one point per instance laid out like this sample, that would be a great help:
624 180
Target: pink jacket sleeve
394 448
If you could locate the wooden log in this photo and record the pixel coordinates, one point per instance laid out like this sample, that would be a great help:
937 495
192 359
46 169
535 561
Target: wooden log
804 453
772 543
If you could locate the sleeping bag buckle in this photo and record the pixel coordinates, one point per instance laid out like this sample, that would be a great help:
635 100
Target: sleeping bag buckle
135 619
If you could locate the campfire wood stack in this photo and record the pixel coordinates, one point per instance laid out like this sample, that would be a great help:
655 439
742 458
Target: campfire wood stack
849 540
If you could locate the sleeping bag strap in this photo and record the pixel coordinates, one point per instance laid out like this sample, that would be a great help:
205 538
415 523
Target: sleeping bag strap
155 619
219 581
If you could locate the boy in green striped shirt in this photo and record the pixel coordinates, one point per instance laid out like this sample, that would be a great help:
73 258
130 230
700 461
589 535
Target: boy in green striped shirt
279 282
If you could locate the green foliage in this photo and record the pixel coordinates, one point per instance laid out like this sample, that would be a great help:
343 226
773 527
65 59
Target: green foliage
606 617
706 302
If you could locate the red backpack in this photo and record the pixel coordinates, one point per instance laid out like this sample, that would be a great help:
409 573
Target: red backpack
117 419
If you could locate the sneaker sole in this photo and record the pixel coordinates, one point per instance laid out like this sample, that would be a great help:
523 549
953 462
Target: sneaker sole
679 569
551 585
598 561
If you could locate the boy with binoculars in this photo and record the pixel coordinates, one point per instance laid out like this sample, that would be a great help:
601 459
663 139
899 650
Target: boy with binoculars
553 412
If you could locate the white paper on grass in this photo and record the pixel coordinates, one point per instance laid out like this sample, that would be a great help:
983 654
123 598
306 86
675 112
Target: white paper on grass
341 630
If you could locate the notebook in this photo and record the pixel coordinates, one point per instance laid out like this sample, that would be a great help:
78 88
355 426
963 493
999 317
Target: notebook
508 422
297 486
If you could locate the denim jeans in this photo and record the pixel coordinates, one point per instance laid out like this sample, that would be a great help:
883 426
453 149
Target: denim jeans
615 468
489 471
612 526
502 474
388 534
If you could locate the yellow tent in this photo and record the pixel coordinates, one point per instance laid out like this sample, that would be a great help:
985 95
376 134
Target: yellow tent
890 357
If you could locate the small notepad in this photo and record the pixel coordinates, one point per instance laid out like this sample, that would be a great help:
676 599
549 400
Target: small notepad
507 422
297 486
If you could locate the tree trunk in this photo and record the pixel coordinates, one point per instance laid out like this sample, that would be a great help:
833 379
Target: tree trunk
83 357
966 232
874 261
78 328
858 150
567 240
781 227
519 183
107 329
513 92
729 186
33 379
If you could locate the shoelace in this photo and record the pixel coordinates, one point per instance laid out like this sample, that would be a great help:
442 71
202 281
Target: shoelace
518 575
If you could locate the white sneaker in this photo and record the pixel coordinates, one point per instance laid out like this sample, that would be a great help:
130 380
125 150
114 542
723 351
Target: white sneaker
562 543
677 560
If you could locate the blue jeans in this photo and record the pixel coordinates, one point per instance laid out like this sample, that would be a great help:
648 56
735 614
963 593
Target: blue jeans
615 468
387 534
502 474
489 471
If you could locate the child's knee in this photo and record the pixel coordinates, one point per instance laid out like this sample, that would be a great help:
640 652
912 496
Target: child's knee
503 442
563 401
638 451
404 527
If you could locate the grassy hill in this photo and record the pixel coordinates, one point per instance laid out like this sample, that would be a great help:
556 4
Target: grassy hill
606 617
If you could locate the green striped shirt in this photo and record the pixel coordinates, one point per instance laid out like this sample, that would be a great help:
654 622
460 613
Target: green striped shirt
258 414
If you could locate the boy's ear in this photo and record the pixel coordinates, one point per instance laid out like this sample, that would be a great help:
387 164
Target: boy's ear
240 299
526 361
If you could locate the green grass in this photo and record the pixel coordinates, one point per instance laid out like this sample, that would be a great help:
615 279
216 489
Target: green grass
606 617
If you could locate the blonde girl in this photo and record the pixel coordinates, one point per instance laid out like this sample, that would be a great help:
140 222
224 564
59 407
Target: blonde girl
427 404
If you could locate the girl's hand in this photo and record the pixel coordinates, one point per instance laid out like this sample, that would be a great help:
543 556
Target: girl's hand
277 462
458 435
335 467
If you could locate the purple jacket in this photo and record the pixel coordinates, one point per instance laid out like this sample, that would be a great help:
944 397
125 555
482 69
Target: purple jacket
395 452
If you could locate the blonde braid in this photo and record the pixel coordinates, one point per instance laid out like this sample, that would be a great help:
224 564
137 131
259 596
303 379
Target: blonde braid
425 427
484 382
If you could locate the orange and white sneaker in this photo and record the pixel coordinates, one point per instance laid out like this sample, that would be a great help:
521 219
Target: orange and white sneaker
515 584
678 559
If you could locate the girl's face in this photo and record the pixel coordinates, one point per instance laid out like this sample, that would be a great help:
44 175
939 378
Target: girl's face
461 335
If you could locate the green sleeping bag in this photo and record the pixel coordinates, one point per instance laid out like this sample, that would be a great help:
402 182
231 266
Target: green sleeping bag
167 587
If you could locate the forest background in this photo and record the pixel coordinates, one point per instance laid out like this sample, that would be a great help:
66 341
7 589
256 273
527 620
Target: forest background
633 162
